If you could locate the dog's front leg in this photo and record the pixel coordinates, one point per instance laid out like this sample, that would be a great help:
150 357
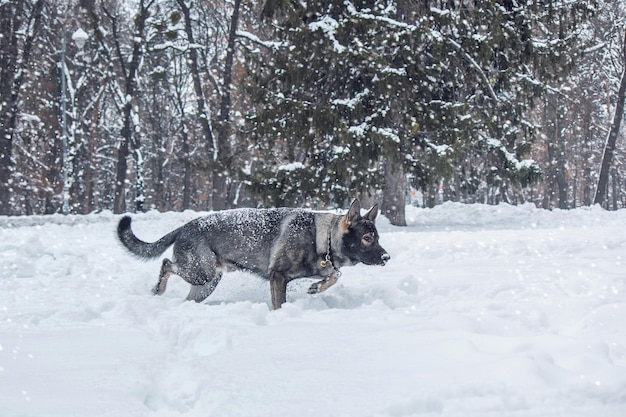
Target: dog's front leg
324 284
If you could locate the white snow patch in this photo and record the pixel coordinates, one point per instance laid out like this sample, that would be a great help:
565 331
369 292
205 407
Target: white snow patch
291 166
254 38
351 103
341 150
482 310
440 150
328 26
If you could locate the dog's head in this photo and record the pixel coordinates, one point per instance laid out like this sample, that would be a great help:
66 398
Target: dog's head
360 237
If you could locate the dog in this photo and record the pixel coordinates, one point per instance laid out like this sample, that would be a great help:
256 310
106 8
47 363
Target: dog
280 245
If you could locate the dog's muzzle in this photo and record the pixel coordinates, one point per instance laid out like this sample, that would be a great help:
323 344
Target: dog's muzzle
384 258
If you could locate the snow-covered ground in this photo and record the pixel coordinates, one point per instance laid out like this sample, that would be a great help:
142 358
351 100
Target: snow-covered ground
482 311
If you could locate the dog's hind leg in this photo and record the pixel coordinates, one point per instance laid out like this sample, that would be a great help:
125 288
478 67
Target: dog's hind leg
199 293
278 287
167 268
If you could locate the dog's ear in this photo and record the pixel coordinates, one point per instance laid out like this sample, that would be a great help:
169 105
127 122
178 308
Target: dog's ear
352 216
371 213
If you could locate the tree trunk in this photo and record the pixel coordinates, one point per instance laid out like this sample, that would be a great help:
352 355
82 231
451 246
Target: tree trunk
556 150
204 117
615 187
203 114
140 189
394 193
561 179
6 171
180 103
128 137
187 174
12 66
222 180
430 195
607 157
119 201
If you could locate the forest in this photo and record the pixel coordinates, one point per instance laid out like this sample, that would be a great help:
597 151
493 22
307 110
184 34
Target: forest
172 105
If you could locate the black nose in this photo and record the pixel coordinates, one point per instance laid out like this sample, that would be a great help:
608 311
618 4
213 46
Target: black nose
385 257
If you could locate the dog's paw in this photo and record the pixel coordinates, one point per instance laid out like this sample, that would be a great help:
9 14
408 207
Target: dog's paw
315 288
323 285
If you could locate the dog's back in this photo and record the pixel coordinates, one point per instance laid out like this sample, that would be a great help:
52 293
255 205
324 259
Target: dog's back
249 238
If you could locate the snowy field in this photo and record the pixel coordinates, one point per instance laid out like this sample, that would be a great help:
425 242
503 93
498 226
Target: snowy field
482 311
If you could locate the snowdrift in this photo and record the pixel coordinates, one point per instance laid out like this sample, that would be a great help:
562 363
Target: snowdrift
482 310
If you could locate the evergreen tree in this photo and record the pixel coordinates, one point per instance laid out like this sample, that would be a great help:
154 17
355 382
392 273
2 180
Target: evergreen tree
438 88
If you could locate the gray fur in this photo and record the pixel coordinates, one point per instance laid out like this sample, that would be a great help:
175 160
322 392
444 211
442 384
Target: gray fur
279 245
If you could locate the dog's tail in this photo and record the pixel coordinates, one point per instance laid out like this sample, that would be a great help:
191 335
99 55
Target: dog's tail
139 248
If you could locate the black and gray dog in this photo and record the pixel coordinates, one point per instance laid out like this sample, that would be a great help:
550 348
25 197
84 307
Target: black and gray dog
277 244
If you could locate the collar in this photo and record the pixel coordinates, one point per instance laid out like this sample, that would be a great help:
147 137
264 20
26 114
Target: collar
327 261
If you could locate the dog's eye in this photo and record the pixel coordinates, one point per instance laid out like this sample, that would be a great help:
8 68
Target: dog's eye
368 239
